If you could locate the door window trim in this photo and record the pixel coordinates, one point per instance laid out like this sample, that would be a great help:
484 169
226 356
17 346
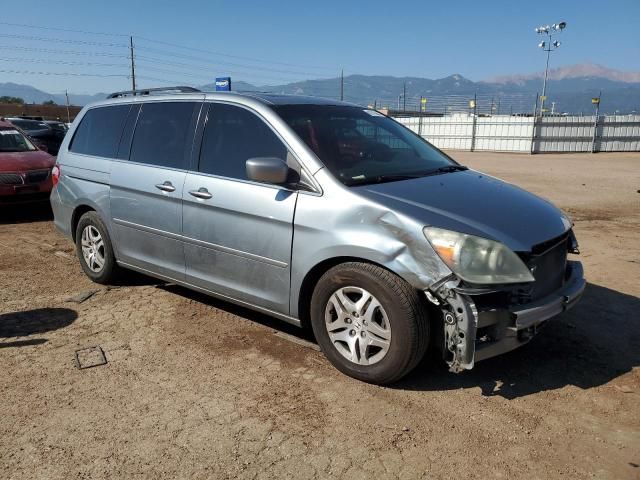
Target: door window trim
198 142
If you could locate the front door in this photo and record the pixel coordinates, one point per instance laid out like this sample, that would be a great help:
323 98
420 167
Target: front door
238 233
146 190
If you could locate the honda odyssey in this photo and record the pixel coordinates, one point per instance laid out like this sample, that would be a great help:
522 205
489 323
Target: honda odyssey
321 213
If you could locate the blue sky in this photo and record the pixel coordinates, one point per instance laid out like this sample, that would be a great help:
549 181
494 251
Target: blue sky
277 42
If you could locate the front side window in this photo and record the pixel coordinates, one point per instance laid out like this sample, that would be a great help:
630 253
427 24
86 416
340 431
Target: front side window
361 146
164 134
99 131
11 140
231 137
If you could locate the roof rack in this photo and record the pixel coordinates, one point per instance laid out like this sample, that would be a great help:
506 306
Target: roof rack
148 91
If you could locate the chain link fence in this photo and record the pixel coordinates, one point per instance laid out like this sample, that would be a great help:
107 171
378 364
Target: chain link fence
485 104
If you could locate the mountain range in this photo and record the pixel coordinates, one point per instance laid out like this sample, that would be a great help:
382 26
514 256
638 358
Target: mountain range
571 88
32 95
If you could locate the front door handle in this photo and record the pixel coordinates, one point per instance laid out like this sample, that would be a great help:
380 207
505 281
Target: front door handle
202 193
166 186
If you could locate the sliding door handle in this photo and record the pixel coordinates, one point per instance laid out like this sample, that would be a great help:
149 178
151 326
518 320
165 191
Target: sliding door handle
166 186
201 193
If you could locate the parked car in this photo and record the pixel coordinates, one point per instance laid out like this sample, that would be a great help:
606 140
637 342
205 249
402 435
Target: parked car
25 171
59 127
43 133
319 213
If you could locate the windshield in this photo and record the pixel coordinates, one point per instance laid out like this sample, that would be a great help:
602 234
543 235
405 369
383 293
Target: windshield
29 124
11 140
361 146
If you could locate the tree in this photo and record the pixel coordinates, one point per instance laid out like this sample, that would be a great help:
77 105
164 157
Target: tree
7 99
49 102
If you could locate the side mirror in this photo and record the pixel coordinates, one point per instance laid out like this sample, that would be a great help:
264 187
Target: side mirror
267 170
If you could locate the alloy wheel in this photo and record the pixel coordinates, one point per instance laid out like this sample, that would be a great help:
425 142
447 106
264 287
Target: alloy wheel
357 325
92 248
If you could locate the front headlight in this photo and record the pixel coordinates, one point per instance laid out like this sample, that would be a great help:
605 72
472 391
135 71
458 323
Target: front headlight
476 259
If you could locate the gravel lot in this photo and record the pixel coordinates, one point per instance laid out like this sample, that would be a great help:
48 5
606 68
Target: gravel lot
197 388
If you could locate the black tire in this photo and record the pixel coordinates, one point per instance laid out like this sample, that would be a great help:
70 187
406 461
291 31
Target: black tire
407 318
110 268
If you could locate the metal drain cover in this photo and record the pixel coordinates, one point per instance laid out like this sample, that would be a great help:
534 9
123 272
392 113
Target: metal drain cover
90 357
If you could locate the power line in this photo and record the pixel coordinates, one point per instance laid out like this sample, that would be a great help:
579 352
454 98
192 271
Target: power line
168 82
250 68
62 62
61 40
146 39
63 29
162 70
63 52
62 74
203 77
144 59
258 60
200 58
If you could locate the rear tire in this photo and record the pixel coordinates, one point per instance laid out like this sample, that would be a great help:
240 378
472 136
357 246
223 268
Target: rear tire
94 249
369 323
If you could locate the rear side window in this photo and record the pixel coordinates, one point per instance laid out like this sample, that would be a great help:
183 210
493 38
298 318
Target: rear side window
231 137
99 131
164 134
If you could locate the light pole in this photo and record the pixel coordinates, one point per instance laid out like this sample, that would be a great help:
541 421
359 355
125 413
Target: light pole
548 46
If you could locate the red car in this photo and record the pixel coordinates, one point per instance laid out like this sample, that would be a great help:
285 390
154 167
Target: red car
25 171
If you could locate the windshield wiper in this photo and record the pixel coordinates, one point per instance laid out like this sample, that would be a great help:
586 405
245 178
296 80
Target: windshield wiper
451 168
394 177
385 178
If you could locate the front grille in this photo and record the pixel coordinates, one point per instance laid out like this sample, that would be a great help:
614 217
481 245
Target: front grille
548 267
37 176
10 179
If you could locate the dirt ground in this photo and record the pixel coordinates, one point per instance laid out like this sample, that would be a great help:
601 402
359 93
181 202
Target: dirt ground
197 388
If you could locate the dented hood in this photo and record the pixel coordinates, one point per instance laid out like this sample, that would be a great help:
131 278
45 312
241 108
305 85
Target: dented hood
473 203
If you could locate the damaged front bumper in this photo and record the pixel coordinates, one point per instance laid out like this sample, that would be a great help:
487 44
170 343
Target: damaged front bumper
475 330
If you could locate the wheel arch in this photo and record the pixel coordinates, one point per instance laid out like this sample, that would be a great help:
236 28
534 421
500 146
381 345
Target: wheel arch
77 214
310 280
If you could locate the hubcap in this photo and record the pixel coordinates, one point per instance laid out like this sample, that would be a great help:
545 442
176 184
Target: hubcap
357 325
92 248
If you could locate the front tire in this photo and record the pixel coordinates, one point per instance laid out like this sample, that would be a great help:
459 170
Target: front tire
94 249
369 323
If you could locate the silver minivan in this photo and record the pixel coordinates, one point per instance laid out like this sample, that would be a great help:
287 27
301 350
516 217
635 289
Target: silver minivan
321 213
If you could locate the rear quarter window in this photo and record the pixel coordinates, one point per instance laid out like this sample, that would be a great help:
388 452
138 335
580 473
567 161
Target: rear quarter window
99 131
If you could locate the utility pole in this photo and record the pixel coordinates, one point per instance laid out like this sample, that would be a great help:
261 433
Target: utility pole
342 85
133 66
66 94
404 97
